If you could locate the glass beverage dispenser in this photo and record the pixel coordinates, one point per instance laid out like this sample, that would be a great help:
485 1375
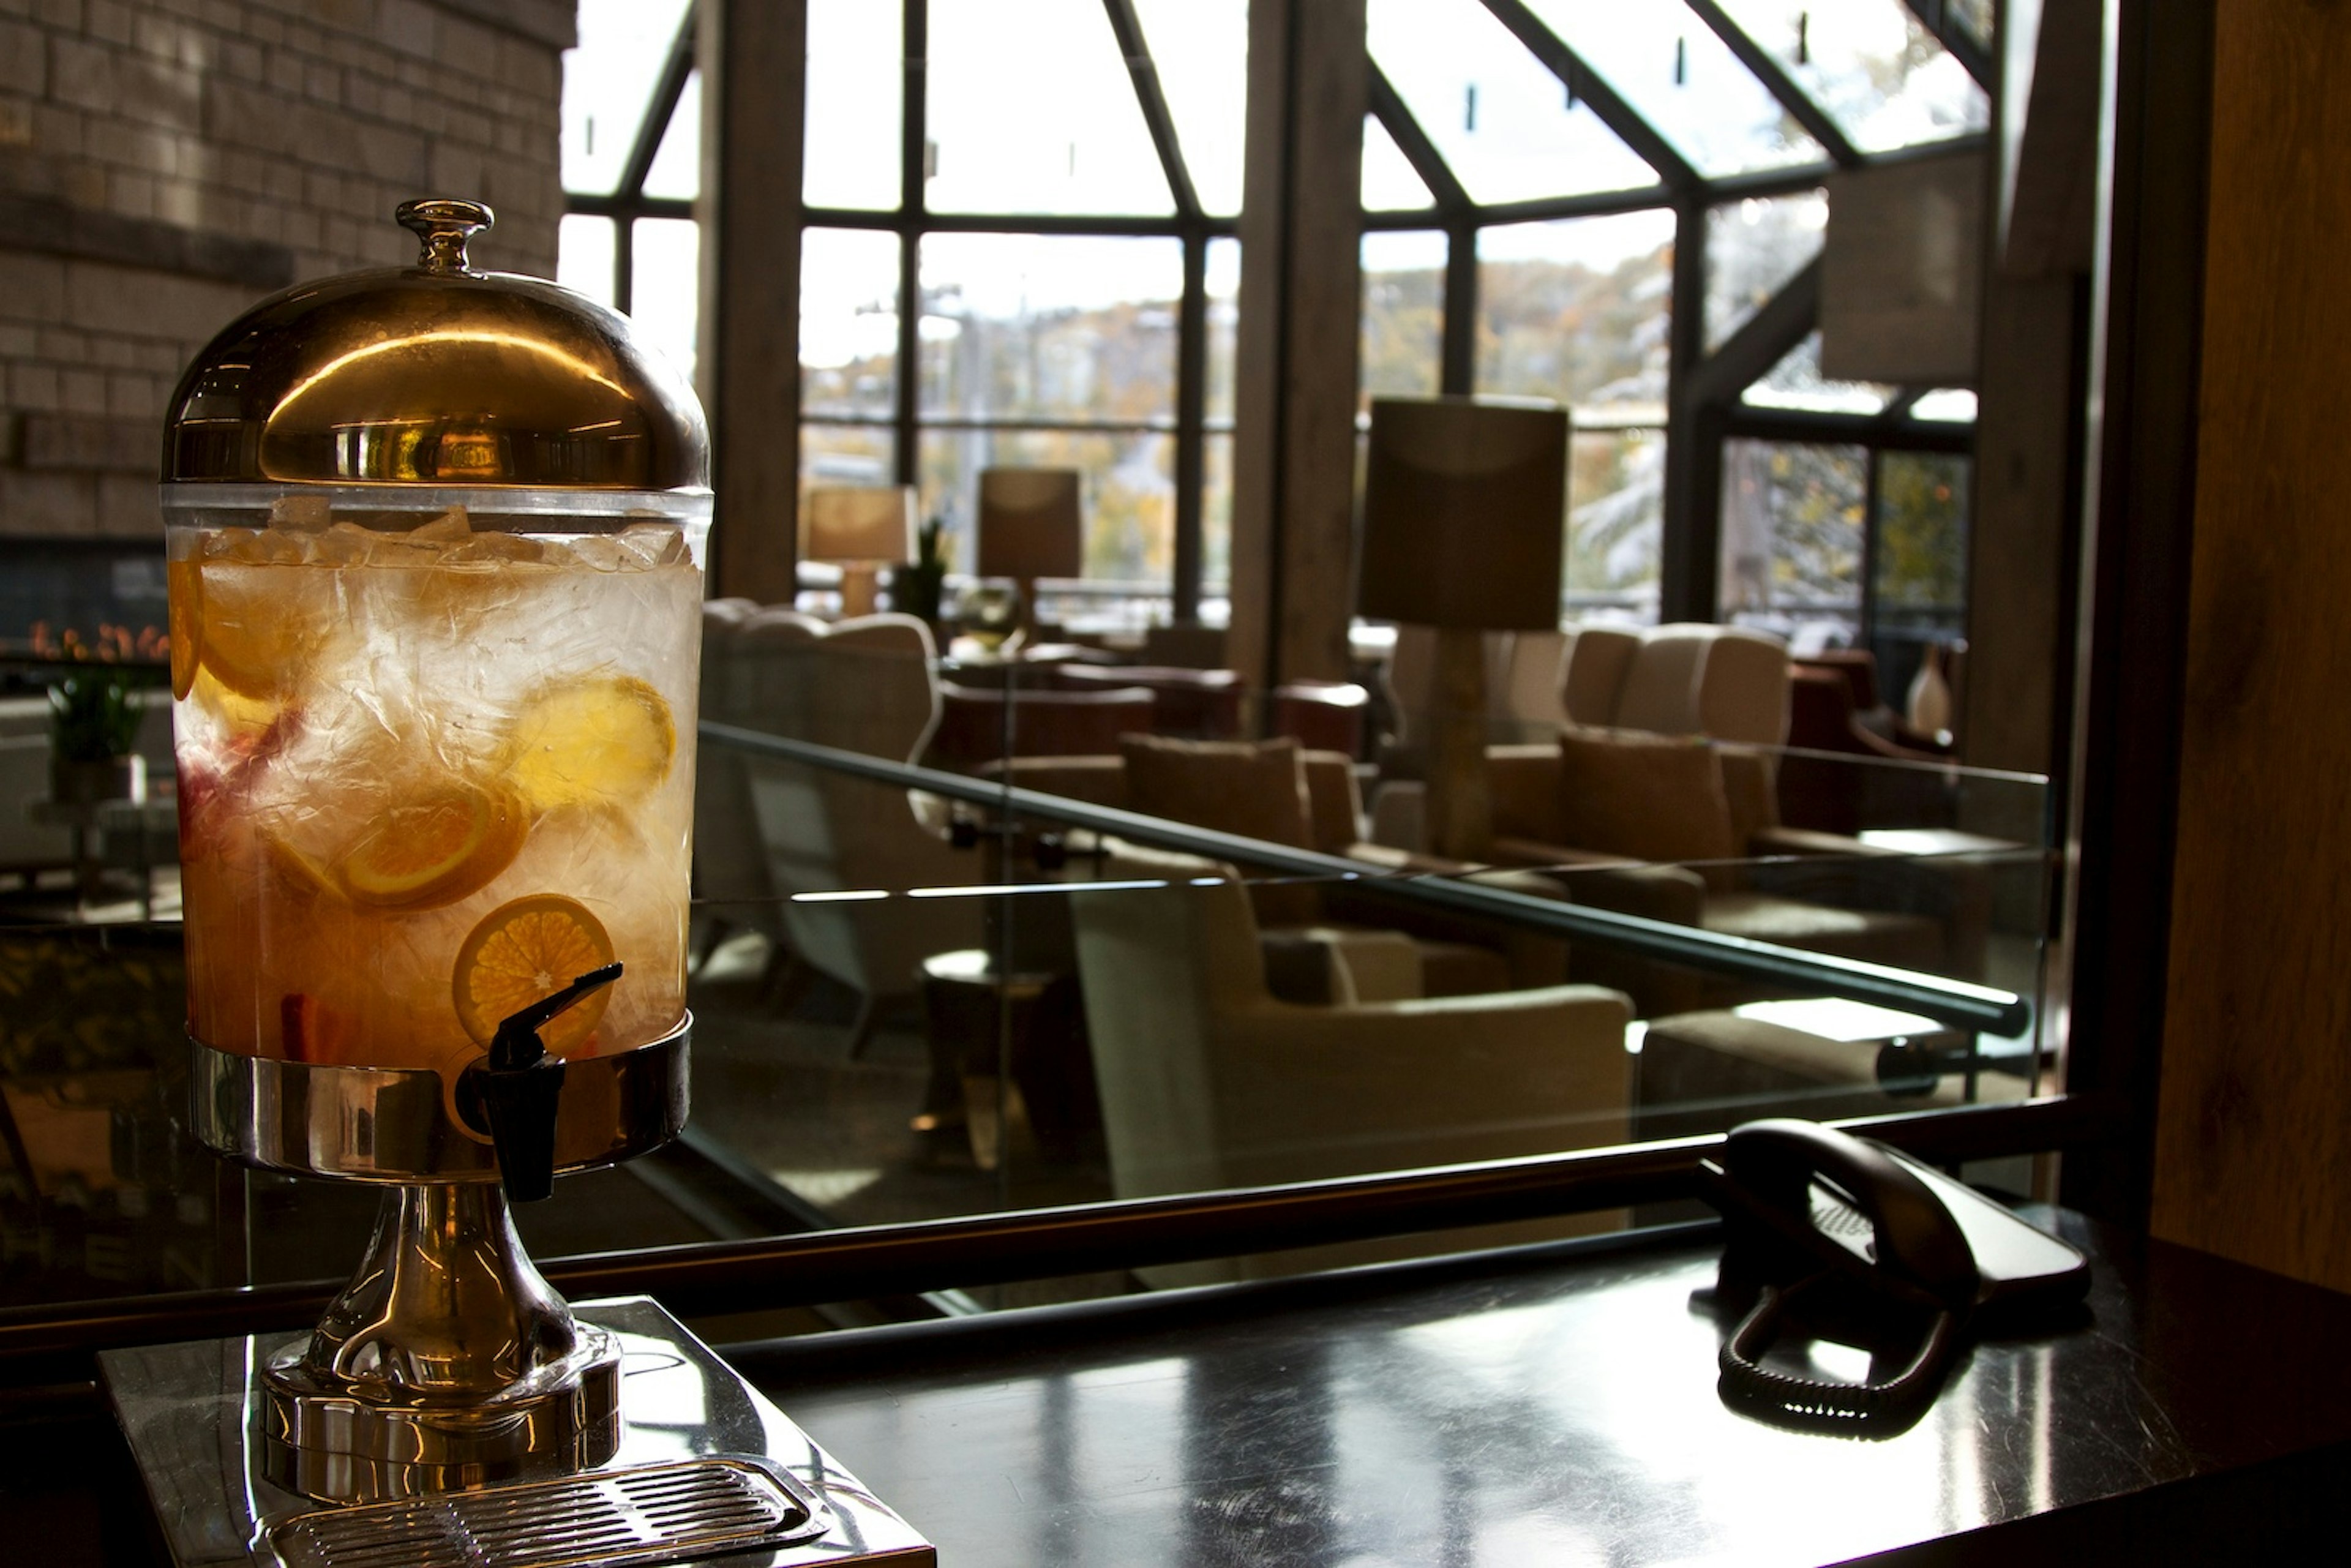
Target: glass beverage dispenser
434 542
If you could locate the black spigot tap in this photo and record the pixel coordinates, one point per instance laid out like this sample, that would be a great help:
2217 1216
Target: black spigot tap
518 1086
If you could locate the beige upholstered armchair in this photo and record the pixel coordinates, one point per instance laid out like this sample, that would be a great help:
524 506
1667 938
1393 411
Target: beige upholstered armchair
861 685
1208 1081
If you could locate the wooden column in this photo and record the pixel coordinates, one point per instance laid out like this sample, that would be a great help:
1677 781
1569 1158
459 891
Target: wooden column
1294 394
751 54
2253 1125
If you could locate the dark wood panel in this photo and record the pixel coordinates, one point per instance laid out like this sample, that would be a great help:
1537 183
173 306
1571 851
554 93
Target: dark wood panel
2253 1143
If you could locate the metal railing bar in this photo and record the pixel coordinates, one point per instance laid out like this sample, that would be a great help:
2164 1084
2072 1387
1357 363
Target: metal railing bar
1958 1003
861 1262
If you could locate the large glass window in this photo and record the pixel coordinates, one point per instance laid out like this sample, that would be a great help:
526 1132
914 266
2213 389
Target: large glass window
1403 313
1577 310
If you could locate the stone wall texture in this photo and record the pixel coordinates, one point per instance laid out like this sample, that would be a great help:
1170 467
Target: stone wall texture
165 163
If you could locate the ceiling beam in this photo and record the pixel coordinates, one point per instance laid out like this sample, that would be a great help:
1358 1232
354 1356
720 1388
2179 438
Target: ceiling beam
1153 102
1592 89
1782 85
1388 107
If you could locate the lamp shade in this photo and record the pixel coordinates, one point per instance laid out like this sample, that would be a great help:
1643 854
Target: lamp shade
1029 523
860 522
1463 510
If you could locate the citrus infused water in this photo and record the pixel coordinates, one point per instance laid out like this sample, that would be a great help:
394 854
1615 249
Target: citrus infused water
428 775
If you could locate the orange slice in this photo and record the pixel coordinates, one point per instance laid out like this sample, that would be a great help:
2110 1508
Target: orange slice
264 626
433 851
185 581
603 738
525 952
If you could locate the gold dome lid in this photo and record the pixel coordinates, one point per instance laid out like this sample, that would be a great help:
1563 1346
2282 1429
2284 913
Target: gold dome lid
437 375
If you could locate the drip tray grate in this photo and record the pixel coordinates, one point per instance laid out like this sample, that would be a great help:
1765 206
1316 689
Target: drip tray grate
646 1515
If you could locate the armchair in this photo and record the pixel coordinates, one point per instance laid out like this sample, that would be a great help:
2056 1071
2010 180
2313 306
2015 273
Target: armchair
861 685
1207 1082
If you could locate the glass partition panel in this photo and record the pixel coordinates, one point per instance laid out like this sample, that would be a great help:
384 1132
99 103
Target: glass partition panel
1165 968
1127 501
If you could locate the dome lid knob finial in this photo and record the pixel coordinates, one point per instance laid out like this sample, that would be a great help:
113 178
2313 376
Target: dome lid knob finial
444 225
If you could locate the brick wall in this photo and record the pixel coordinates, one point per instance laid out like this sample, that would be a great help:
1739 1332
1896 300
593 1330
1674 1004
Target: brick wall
165 163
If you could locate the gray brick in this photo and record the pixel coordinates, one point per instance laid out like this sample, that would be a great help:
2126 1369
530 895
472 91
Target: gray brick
468 48
82 75
49 505
363 94
156 36
32 288
323 83
160 93
64 16
15 122
58 130
83 182
255 23
16 343
34 387
407 25
114 353
243 60
389 153
24 63
100 294
108 21
457 170
82 390
180 201
131 146
133 396
130 193
60 345
76 443
285 72
128 505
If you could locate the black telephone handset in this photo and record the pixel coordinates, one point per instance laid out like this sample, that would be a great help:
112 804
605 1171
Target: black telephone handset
1855 1208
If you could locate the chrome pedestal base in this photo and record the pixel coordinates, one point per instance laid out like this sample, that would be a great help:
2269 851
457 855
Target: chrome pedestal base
447 1362
198 1419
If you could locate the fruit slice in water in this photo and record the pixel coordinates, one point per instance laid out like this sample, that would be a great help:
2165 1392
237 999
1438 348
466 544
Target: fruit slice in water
434 850
185 581
264 626
606 739
525 952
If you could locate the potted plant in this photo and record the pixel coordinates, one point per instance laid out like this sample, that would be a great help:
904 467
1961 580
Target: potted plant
94 716
918 587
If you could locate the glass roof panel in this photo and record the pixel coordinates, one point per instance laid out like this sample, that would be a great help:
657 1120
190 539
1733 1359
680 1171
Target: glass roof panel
607 80
676 168
1795 383
1681 77
1752 248
1200 48
856 80
1031 110
1500 118
1391 184
1880 74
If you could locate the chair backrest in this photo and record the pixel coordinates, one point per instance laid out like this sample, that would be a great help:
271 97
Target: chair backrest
1593 671
1661 688
1160 966
729 865
1743 689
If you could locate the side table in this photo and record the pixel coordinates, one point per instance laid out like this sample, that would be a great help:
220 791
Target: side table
1009 1063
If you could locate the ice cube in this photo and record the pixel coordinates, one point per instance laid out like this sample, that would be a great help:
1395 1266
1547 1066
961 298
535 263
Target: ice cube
225 542
344 544
496 549
308 512
271 547
453 524
657 543
603 553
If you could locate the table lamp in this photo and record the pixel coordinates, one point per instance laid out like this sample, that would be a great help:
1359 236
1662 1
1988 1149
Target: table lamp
862 528
1029 527
1464 507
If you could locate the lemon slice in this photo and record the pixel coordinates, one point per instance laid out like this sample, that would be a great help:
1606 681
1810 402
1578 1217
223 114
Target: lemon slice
434 850
525 952
600 739
185 581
